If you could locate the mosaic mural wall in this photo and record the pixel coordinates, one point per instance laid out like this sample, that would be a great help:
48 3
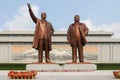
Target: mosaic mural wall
59 53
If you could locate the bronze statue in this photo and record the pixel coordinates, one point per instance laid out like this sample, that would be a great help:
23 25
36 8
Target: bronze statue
76 36
42 35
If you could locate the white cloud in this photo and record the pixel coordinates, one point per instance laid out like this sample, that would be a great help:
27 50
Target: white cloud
22 20
114 27
90 25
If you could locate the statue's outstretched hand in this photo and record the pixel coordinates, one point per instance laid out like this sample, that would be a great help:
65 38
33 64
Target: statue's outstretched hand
28 5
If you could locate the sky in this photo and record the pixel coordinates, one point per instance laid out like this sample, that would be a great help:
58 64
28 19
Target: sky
96 14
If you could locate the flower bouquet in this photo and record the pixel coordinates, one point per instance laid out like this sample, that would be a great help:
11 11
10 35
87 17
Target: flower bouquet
116 74
22 75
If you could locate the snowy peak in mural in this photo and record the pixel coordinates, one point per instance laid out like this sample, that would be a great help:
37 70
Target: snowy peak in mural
56 55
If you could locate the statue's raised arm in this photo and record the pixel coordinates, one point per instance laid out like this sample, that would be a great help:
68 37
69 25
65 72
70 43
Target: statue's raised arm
34 18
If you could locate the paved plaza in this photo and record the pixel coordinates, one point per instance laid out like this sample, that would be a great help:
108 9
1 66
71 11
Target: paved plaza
93 75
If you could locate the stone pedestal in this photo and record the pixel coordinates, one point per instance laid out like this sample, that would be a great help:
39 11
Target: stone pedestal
80 67
43 67
68 67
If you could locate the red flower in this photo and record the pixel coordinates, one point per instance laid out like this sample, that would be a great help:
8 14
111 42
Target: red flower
22 75
116 74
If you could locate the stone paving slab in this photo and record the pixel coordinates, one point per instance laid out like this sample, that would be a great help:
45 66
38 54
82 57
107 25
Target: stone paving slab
93 75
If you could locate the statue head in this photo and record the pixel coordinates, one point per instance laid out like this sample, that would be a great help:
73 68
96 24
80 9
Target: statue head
76 18
43 15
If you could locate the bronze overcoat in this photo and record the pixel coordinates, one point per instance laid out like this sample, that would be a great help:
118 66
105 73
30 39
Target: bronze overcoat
83 32
37 34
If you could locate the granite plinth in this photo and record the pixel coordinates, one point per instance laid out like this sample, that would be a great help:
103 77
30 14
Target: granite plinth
80 66
68 67
43 67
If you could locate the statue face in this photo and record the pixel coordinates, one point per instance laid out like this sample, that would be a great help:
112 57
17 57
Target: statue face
76 18
43 15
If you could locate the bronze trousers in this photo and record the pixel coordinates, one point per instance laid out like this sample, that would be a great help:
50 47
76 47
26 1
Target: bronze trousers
78 45
43 43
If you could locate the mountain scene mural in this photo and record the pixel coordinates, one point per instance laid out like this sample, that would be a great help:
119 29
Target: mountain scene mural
56 55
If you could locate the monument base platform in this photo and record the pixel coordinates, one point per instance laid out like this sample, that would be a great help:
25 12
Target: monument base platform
68 67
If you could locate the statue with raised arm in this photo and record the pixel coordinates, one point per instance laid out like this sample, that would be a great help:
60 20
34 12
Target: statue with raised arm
76 36
42 35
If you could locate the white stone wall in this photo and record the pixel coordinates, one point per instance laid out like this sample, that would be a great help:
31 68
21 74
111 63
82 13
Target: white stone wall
106 53
109 53
116 53
5 55
108 48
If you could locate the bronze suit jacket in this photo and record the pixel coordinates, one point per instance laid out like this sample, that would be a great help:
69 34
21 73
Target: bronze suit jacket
83 32
37 34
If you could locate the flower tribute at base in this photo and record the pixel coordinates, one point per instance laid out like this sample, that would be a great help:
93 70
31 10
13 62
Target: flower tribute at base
22 74
116 74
